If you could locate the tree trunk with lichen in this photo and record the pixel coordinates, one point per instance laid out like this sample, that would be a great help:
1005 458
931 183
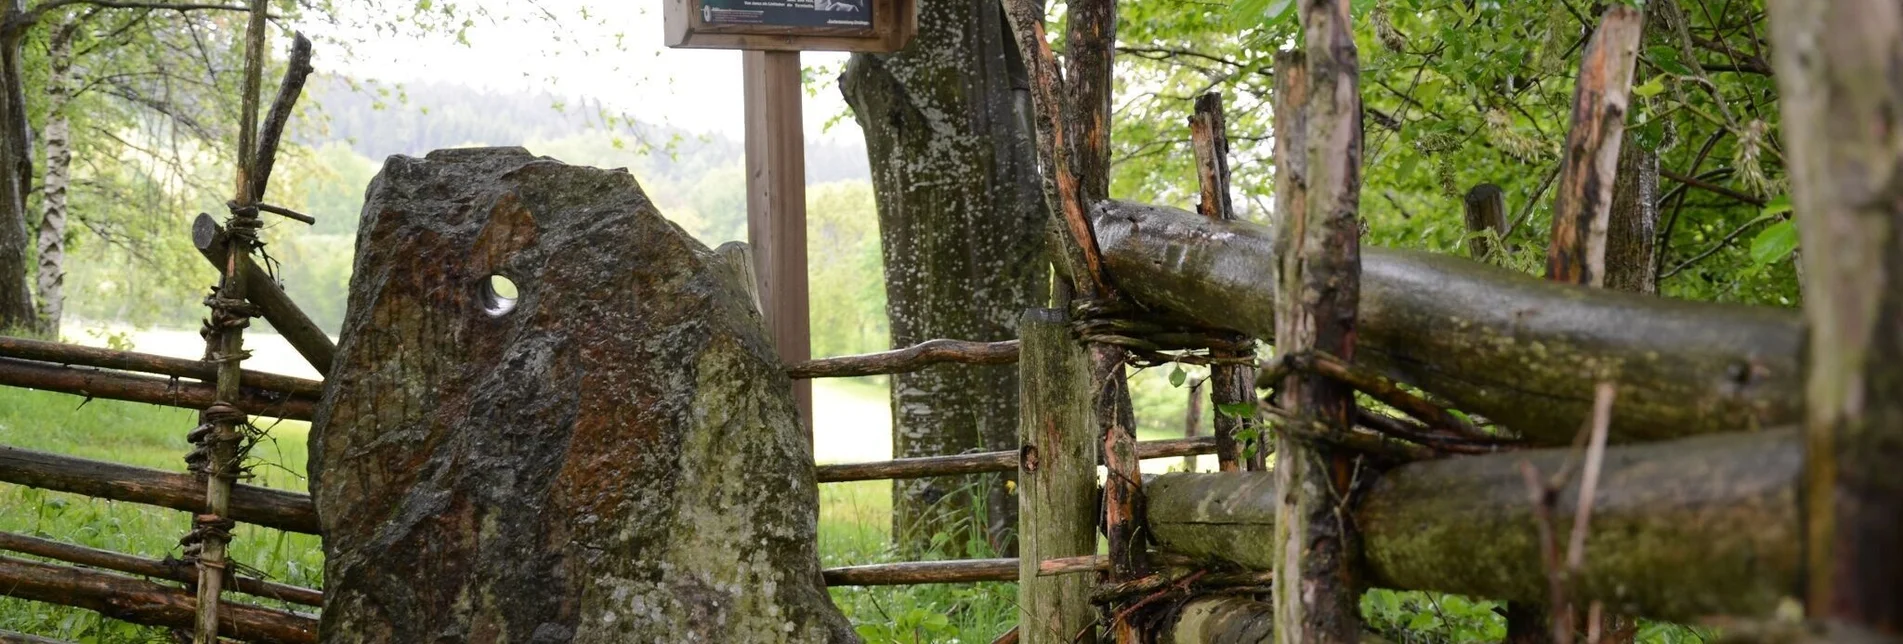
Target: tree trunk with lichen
1840 75
16 175
961 219
613 455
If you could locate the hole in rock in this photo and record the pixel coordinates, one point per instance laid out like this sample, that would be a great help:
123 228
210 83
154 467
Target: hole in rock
498 295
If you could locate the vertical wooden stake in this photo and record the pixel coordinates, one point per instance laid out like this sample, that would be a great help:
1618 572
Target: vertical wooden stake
1840 80
224 438
1193 419
1581 208
1230 385
1486 210
1057 479
1319 289
776 206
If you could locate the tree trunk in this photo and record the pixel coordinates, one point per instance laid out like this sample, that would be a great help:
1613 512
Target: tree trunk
1840 76
1518 350
16 176
612 456
59 161
961 219
1632 226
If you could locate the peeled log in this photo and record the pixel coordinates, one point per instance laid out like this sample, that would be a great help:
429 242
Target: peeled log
612 456
1510 347
1680 530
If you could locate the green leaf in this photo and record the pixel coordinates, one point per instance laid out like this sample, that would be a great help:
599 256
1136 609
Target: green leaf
1666 58
1423 622
1248 14
1774 243
1652 87
1777 206
1177 376
1237 410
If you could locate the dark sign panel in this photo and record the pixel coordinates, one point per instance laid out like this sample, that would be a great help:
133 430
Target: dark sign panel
834 14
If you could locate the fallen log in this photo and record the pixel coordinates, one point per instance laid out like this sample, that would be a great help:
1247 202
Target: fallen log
144 602
171 569
170 392
1515 349
297 328
266 507
72 354
1680 530
1218 618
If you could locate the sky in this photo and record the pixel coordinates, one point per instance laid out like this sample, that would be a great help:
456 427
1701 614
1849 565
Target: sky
609 50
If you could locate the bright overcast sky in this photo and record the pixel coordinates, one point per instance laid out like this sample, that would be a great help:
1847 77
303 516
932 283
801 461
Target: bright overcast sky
698 90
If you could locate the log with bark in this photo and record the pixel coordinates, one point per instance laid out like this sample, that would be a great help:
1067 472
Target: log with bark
145 602
613 455
1680 530
266 507
171 569
277 308
984 462
1507 346
76 355
171 392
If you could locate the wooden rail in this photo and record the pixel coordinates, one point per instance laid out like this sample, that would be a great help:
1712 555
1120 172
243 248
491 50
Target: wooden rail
173 570
76 355
170 392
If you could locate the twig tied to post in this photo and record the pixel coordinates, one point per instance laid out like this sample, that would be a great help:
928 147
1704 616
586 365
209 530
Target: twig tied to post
224 431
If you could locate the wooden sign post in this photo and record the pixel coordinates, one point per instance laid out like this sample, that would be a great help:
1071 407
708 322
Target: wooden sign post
774 32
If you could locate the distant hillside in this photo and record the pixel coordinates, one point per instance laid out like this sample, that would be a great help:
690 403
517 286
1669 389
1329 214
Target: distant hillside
380 120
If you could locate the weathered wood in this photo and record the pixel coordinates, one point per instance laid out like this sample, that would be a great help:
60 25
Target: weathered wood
1230 385
1193 419
1586 176
909 359
776 206
267 507
72 354
1388 393
1696 527
297 68
1220 619
986 462
171 569
955 571
1318 285
1515 349
624 435
1057 479
114 385
144 602
1082 260
277 308
1840 79
1486 211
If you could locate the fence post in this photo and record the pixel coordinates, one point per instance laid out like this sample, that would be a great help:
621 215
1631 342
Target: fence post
1057 478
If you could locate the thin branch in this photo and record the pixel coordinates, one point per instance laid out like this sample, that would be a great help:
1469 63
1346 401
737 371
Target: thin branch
909 359
1722 243
1710 187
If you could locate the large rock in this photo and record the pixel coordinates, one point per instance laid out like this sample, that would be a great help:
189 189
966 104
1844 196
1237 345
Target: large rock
617 458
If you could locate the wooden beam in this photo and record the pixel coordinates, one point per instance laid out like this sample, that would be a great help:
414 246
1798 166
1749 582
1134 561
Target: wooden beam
297 328
270 508
72 354
170 569
984 462
1057 479
908 359
147 603
113 385
776 206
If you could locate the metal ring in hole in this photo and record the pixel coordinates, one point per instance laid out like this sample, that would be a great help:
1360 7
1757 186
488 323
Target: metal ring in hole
498 296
